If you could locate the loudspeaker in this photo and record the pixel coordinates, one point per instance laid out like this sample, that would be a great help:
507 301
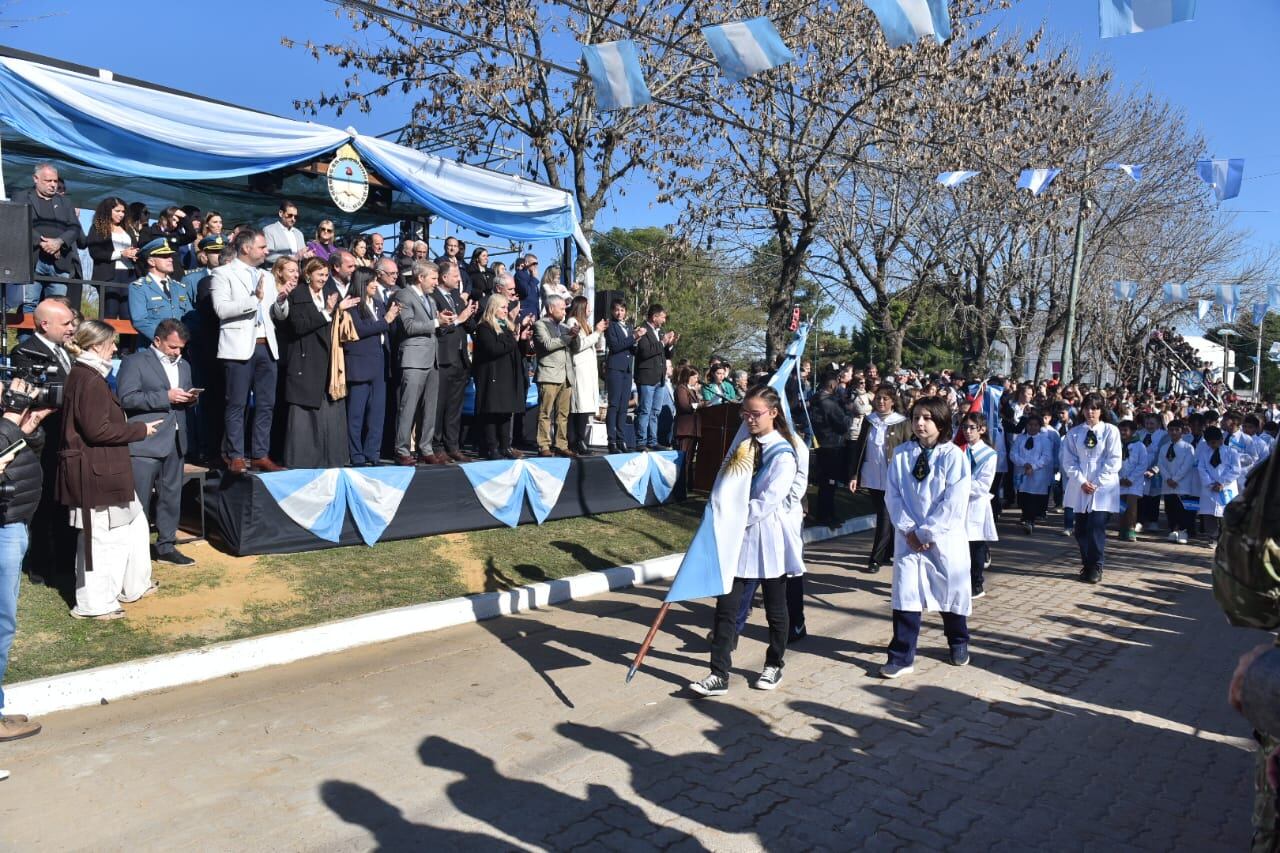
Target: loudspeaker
604 298
15 243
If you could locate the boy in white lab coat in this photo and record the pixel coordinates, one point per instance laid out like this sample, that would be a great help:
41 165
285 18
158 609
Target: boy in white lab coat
1153 438
1177 463
1133 479
1219 466
1031 456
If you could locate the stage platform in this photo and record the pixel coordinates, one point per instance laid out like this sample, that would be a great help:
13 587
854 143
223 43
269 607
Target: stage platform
246 518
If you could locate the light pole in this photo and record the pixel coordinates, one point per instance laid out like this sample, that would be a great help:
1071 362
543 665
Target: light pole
1077 260
1225 334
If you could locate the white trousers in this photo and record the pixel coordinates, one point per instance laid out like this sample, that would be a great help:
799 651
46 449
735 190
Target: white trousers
121 564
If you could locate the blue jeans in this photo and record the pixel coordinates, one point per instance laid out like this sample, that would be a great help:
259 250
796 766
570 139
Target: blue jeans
1091 536
906 632
13 547
646 415
27 295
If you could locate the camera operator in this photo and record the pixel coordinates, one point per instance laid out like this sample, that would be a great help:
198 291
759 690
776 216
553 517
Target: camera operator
52 554
20 491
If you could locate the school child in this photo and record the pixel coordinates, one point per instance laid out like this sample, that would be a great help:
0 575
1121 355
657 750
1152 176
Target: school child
1091 459
980 525
1133 479
1153 438
928 502
1177 463
1219 466
1055 439
1031 456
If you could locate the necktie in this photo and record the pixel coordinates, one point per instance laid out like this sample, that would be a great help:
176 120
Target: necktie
1124 454
1031 443
1090 440
1146 441
921 469
164 286
1169 454
1216 459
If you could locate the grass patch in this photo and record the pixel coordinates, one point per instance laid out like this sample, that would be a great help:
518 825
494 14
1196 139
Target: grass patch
227 598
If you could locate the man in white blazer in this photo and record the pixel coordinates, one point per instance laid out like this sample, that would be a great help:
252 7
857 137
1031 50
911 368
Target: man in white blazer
242 296
284 238
1091 459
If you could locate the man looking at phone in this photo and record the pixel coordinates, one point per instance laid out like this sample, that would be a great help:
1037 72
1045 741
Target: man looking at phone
21 440
154 381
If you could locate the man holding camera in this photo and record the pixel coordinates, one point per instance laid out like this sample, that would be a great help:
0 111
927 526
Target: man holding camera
21 440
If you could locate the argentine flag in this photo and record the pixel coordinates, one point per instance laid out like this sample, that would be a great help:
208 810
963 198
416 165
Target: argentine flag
614 68
1226 294
1124 17
1177 293
907 21
1229 313
1259 313
1203 307
638 471
501 486
1133 170
955 179
746 47
1125 290
1036 179
1273 297
708 566
1224 176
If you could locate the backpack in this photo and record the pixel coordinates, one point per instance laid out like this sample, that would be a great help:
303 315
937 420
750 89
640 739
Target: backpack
1246 563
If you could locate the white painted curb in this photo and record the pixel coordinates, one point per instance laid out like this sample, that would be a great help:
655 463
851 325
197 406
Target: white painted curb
118 681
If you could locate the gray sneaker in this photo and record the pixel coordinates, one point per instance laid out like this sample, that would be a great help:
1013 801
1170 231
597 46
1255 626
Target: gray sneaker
712 685
896 670
769 678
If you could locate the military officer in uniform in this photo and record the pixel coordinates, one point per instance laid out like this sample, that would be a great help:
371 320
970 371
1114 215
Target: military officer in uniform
157 295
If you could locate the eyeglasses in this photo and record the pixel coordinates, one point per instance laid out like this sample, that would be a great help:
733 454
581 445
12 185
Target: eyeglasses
289 215
749 415
326 230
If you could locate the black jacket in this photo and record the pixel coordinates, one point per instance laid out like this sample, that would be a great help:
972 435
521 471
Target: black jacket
651 358
54 217
830 420
24 472
452 340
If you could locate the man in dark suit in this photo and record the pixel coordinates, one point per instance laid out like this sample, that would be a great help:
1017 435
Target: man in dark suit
341 265
52 554
529 287
158 381
620 340
455 361
653 348
55 231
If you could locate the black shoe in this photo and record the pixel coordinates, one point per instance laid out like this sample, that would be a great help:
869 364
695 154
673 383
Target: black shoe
960 655
871 568
978 591
1093 576
712 685
660 447
175 557
797 635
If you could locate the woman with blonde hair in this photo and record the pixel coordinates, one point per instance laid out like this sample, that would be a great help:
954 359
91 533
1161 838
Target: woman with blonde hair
553 286
498 368
586 374
95 479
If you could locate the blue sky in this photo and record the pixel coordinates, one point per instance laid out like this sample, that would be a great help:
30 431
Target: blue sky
1220 68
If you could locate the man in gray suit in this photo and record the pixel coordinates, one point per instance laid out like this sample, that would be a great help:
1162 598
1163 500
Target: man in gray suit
419 373
151 381
555 344
284 238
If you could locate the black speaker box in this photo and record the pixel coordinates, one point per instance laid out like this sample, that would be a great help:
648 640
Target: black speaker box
604 298
15 243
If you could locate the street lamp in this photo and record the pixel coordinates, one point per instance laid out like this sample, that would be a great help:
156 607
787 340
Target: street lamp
1226 333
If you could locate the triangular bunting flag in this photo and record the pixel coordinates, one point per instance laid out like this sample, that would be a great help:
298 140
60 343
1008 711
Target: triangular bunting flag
1229 313
1224 176
955 179
1036 180
1259 313
746 47
1133 170
1203 307
374 496
315 498
907 21
1124 17
1273 297
614 68
1125 290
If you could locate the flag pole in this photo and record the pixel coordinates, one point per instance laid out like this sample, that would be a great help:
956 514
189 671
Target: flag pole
648 640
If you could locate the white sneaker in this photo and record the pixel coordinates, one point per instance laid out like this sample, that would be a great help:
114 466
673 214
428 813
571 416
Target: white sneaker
893 670
4 774
1174 536
1182 538
1067 531
1137 527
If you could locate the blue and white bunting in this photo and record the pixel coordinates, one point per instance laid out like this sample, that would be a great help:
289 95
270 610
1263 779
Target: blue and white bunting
1273 297
907 21
1125 17
1036 180
709 564
315 498
1274 352
1226 294
638 471
1125 290
1224 176
374 496
955 179
1133 170
614 68
1177 292
1229 313
503 485
744 48
1203 307
1260 313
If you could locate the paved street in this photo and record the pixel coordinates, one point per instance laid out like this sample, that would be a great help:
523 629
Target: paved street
1092 718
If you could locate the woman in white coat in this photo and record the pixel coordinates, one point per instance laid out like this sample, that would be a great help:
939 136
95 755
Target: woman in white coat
928 501
981 524
1031 457
1091 473
771 547
586 375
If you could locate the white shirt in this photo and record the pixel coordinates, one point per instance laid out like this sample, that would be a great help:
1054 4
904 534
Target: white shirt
59 352
170 367
875 467
120 240
317 297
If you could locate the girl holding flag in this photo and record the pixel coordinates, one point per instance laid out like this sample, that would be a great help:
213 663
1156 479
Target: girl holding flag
771 545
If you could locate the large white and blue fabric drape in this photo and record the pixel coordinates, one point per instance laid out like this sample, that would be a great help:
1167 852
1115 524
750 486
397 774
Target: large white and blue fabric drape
744 48
907 21
1225 176
1124 17
374 496
614 69
638 471
502 486
317 499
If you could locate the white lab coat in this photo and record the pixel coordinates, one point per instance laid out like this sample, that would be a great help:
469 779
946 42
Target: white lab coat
1154 447
1227 472
980 525
1180 469
936 510
767 545
1133 469
1039 457
1099 465
1245 445
795 512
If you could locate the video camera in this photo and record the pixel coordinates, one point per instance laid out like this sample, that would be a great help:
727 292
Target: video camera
43 395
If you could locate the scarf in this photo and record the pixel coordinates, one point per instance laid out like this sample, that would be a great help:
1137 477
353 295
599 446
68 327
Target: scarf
97 362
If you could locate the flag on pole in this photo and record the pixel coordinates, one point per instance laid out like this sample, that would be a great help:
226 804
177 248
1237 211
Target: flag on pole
1223 175
1125 290
1203 307
1036 179
1226 294
1259 313
955 179
1229 313
709 565
1177 292
1133 170
1124 17
744 48
614 68
908 21
1273 297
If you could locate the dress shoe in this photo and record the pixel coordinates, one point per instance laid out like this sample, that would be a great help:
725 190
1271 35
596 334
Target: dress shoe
443 458
175 557
456 456
545 454
566 453
266 466
426 459
237 466
512 453
11 728
404 460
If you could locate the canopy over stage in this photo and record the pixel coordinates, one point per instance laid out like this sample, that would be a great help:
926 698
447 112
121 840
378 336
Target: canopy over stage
309 510
119 126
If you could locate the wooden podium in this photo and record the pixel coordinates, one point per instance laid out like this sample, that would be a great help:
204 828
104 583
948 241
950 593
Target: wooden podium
717 426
